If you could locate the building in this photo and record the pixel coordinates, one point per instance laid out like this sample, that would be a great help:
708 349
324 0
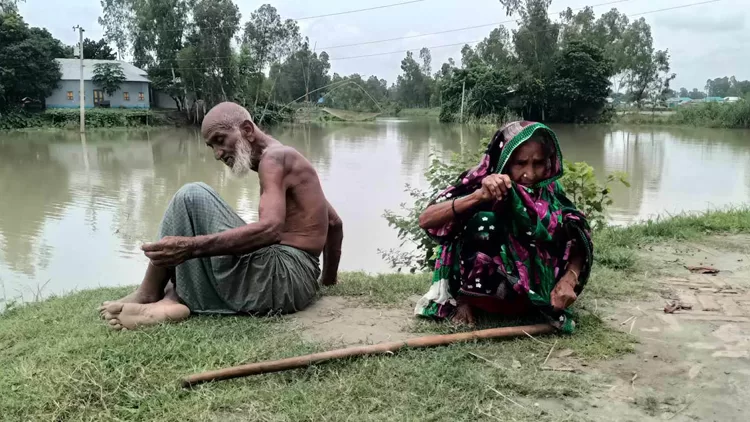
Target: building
133 93
731 99
678 101
713 100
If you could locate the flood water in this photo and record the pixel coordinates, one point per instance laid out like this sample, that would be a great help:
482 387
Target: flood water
74 211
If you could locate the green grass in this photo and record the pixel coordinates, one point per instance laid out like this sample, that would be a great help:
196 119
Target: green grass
59 362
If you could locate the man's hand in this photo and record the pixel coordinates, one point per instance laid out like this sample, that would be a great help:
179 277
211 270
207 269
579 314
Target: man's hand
170 251
494 187
563 294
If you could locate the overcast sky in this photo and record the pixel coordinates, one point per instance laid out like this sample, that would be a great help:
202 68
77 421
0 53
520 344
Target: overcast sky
705 41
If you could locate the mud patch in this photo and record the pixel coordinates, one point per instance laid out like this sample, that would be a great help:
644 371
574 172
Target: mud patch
345 321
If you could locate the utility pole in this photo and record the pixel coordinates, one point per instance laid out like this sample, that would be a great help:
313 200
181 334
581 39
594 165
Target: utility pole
462 102
81 92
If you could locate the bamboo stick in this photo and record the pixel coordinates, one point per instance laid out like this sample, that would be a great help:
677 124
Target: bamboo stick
374 349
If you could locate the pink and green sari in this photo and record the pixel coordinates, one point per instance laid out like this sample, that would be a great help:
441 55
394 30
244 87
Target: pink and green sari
516 247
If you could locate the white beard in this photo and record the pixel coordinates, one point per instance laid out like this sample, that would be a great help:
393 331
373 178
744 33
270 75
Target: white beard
242 159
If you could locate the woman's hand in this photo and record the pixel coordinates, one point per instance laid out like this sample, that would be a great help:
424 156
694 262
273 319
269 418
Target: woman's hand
495 187
563 295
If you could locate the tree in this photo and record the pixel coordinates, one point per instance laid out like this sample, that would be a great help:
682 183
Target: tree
468 56
718 87
684 92
117 20
426 57
97 50
697 95
300 74
535 42
269 40
108 76
29 68
154 31
353 93
413 86
580 83
9 6
493 50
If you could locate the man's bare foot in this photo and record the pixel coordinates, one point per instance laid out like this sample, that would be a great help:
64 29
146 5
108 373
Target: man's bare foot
138 296
464 315
134 315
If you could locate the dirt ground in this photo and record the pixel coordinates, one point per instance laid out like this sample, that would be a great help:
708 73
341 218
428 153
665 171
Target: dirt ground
690 365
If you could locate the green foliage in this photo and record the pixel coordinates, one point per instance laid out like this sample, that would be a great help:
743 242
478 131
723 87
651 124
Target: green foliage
728 115
414 85
581 83
590 197
108 76
28 62
355 94
70 118
98 50
727 87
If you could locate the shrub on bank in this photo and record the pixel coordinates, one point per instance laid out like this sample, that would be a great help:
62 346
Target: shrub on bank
727 115
95 118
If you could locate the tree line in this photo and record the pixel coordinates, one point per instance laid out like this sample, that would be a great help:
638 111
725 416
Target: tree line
563 68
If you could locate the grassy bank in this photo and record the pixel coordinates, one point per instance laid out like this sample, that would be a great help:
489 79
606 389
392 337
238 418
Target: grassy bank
713 115
417 112
59 362
95 118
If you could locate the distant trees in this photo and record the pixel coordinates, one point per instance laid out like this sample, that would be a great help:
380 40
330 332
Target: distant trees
186 47
28 61
99 50
727 87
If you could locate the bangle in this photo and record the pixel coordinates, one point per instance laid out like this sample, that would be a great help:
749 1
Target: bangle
453 207
574 272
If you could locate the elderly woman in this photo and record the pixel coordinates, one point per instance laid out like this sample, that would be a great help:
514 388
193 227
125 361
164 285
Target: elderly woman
510 240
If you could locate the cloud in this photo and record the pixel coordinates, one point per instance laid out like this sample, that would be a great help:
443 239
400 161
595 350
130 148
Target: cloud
699 23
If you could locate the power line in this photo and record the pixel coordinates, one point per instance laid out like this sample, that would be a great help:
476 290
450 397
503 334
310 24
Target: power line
436 46
476 41
456 29
359 10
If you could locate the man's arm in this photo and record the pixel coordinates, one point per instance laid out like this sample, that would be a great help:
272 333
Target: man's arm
271 214
332 249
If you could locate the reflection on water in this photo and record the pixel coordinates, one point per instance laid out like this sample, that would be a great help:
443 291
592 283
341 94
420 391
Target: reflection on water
74 210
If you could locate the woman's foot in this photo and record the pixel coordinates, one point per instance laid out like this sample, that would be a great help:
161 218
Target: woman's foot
129 316
464 315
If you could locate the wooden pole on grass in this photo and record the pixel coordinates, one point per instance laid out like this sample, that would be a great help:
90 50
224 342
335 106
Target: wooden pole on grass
374 349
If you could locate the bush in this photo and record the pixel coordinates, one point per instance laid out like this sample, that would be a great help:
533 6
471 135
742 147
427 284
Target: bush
591 198
728 115
95 118
581 185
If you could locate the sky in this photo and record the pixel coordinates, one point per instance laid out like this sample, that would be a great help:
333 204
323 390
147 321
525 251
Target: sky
705 41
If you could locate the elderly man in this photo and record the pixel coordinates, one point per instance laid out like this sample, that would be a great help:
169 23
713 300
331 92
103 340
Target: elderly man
218 264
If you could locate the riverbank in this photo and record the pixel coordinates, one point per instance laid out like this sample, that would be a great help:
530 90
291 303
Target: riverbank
710 115
59 362
96 118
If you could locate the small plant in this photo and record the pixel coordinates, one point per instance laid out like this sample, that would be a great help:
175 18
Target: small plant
108 76
591 198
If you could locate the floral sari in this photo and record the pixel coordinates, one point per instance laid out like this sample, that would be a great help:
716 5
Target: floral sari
519 246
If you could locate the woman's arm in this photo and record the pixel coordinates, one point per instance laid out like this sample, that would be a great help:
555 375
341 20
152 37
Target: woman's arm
440 214
494 187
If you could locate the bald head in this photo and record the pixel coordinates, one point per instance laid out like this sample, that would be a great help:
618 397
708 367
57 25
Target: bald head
226 115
